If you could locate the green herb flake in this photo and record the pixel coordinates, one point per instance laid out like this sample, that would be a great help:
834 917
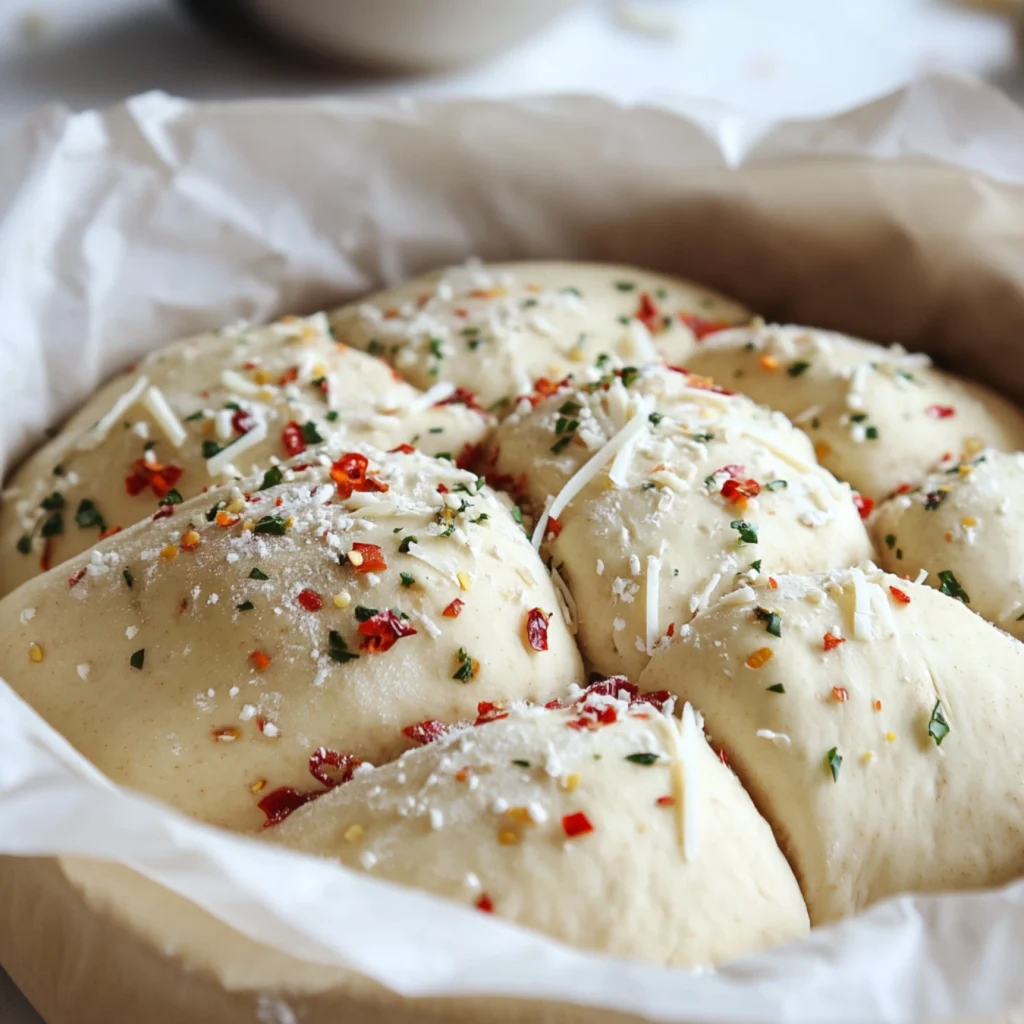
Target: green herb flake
436 430
561 444
703 436
776 485
212 514
834 761
871 433
468 667
53 525
128 578
89 515
407 580
858 417
332 417
58 470
938 727
630 375
747 531
197 415
756 566
246 606
655 418
521 764
602 360
258 574
24 545
138 659
933 499
210 448
310 434
406 542
890 540
797 368
569 408
625 286
644 759
517 514
776 688
951 586
271 478
363 613
53 501
274 525
337 649
772 620
565 425
172 497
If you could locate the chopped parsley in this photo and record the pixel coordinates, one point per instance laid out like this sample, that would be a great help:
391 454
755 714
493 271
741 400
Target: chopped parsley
625 286
517 514
258 574
645 759
797 368
24 544
655 418
198 415
404 546
890 540
310 434
128 578
138 659
89 515
703 436
337 649
271 478
951 586
332 416
630 374
520 763
756 566
772 620
776 485
467 668
407 580
210 448
53 501
933 499
363 613
776 688
212 514
561 444
246 606
938 727
834 761
747 531
172 497
871 433
273 525
53 525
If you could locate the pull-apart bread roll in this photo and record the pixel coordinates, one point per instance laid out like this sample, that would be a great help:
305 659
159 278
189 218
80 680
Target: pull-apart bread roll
610 827
496 329
249 641
879 417
877 724
962 526
655 494
200 413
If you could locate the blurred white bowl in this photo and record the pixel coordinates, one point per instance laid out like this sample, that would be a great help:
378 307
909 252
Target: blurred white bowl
407 34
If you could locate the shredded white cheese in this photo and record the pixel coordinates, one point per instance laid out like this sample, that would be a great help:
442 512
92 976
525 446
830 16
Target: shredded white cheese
438 393
566 602
155 402
780 739
240 385
690 796
220 462
653 601
97 433
863 616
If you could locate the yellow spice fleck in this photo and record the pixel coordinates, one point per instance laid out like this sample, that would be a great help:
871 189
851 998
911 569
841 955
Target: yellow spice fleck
968 521
169 552
261 376
258 786
890 736
760 657
464 581
247 525
342 600
966 470
575 355
867 756
35 653
520 814
972 445
769 363
821 449
570 782
236 506
354 833
289 522
508 837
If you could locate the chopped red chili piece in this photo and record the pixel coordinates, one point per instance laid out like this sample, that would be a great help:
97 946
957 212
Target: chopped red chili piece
940 412
723 757
243 421
405 449
372 558
738 491
489 711
382 631
278 804
461 396
903 489
841 694
537 629
544 388
577 824
77 577
832 642
702 328
656 698
468 457
163 512
485 903
349 474
453 610
441 489
665 801
259 660
155 475
290 376
865 506
292 439
322 760
900 596
554 526
310 600
426 731
110 531
647 313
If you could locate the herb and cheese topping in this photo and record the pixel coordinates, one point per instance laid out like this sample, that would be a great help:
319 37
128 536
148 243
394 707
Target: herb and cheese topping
496 329
356 593
879 417
202 413
960 526
612 808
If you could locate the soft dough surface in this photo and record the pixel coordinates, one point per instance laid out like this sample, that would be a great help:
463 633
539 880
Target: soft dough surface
881 733
261 392
496 328
630 838
879 417
712 490
205 660
962 526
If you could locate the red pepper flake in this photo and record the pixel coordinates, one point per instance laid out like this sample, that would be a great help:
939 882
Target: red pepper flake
382 631
441 489
647 313
77 577
158 477
577 824
702 328
841 694
370 558
243 421
877 705
259 660
485 903
426 731
697 381
537 629
832 641
940 412
773 583
489 711
468 457
289 377
226 519
738 491
278 804
544 388
110 531
322 760
310 600
903 489
292 439
454 610
404 449
349 474
900 595
723 757
554 527
226 734
461 396
665 801
163 512
865 506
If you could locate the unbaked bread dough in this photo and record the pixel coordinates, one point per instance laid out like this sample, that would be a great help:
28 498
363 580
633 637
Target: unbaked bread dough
685 492
962 526
628 837
207 656
876 727
879 417
243 395
496 328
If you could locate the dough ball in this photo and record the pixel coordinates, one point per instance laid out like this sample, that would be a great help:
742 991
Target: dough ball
631 839
962 526
495 329
205 657
876 725
879 417
678 505
258 393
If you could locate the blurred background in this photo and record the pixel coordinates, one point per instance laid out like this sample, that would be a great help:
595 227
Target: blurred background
778 58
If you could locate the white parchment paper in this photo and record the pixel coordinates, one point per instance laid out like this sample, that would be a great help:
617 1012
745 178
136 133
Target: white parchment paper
126 229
